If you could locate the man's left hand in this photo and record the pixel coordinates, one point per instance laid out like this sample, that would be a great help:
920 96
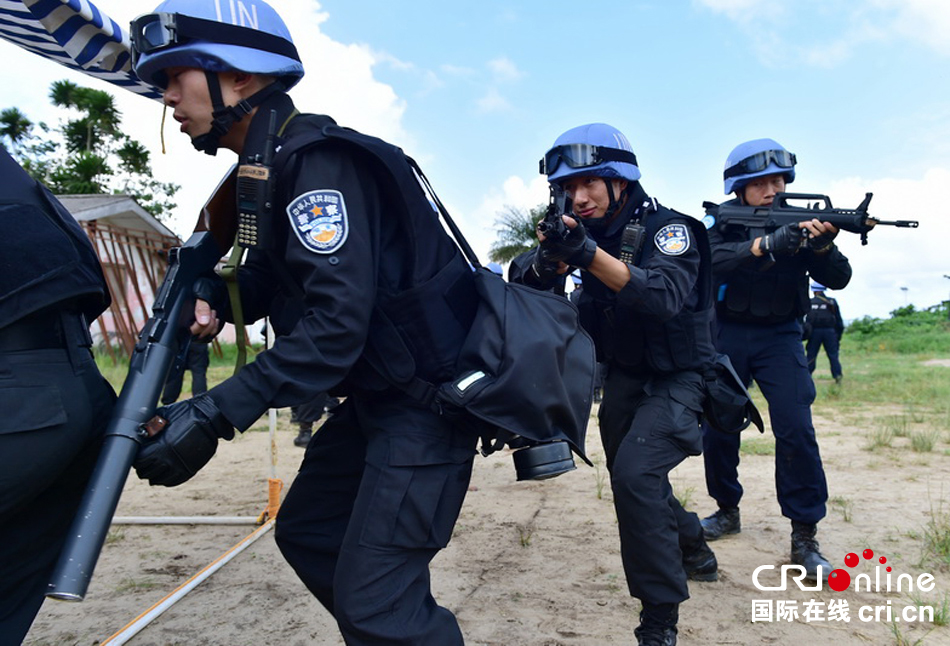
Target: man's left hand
185 442
576 248
821 235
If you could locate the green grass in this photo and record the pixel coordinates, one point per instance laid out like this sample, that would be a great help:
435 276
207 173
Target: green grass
756 445
221 367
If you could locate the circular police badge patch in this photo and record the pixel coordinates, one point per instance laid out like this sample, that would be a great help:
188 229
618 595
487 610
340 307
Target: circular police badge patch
709 221
673 239
319 220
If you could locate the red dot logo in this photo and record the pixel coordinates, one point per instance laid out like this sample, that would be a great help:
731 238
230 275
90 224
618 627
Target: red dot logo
869 554
851 559
882 560
839 580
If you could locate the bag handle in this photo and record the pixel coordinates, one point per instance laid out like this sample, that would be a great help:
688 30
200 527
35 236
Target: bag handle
456 232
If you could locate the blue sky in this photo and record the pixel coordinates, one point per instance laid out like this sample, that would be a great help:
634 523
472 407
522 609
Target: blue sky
476 93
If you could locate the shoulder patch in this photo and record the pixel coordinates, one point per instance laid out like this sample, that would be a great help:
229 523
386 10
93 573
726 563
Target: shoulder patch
673 239
709 221
319 220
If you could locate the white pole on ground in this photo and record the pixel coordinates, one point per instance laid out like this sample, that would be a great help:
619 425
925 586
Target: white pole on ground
144 619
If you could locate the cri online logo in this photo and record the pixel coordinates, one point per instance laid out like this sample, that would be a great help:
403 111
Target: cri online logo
840 579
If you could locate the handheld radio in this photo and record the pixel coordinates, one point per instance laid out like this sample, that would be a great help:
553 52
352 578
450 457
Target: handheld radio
254 188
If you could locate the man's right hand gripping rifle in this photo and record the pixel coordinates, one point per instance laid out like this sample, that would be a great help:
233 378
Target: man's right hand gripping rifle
564 241
183 437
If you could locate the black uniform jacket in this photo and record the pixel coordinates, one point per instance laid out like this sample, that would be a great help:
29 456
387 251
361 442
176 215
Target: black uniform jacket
661 321
344 246
762 290
45 256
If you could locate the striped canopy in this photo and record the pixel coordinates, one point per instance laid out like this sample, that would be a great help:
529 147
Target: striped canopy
76 34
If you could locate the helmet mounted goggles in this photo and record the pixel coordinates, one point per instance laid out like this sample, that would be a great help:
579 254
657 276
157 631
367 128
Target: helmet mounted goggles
157 31
583 156
759 162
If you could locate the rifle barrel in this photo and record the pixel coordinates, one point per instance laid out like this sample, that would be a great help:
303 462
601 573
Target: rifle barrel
903 224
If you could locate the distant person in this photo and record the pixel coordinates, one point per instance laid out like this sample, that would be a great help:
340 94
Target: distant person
54 403
304 416
825 327
197 361
761 281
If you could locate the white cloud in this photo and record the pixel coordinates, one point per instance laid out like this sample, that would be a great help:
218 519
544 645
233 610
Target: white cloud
493 101
479 224
895 258
926 21
775 28
504 70
744 10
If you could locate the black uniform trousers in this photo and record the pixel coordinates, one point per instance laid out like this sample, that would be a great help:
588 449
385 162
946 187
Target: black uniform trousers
773 356
197 362
55 407
827 337
649 425
377 496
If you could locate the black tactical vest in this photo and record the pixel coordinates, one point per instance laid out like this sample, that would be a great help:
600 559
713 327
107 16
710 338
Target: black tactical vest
637 341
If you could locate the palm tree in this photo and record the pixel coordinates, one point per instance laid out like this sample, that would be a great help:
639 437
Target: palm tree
15 127
100 116
516 232
135 158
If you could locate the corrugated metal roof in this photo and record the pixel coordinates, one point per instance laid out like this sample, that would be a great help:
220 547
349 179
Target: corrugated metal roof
118 210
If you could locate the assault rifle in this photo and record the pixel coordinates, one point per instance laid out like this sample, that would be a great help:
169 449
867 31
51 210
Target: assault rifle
781 213
164 339
552 226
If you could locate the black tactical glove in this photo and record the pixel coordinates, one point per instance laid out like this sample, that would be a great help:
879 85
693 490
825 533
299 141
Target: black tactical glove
784 241
822 244
575 248
544 267
213 291
186 444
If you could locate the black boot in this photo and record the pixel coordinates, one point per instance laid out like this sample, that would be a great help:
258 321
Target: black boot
724 521
805 551
657 625
699 562
303 437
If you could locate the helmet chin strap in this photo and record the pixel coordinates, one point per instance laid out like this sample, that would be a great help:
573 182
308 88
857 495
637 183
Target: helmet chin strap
223 116
603 222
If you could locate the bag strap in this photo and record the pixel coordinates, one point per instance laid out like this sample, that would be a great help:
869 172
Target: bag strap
456 232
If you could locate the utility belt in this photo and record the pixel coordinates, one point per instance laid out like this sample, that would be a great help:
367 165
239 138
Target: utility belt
50 328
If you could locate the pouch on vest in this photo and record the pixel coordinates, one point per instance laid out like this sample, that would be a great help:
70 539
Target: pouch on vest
728 407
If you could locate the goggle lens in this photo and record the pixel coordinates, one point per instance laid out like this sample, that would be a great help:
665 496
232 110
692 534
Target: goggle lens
582 156
760 161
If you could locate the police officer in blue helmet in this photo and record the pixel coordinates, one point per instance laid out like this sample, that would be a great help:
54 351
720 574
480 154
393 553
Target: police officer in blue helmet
647 303
381 485
762 294
823 329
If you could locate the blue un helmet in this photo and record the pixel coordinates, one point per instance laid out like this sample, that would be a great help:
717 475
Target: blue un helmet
247 37
593 149
757 158
192 33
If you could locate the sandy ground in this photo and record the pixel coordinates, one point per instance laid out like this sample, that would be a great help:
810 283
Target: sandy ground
531 563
